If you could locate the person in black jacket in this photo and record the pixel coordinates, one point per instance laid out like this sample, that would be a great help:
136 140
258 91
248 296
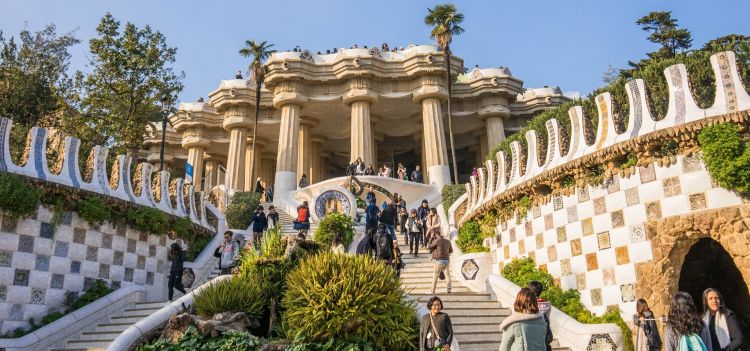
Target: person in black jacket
648 338
725 331
388 217
177 255
260 224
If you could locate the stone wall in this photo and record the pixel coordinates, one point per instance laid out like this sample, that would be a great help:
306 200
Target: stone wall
593 240
42 267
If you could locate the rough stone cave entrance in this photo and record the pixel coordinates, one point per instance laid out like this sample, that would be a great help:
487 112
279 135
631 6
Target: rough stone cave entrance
708 265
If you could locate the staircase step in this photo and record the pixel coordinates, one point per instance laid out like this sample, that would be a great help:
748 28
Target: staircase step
499 312
99 335
128 319
453 297
119 327
476 327
89 344
153 304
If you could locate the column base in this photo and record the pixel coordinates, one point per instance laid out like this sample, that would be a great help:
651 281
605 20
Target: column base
440 175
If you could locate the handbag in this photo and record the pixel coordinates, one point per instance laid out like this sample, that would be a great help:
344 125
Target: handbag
439 341
442 275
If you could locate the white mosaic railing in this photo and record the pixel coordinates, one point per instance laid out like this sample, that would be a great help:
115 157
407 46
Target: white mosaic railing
731 97
36 166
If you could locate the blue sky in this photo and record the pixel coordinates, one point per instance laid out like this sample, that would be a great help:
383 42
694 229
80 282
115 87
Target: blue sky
564 43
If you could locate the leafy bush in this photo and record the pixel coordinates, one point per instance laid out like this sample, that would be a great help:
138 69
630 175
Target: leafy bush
470 238
95 292
147 219
94 210
332 224
523 270
194 341
726 155
183 228
18 198
451 193
196 246
355 344
239 213
236 294
343 296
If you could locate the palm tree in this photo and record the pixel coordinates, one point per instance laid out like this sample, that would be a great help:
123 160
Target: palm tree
260 53
446 22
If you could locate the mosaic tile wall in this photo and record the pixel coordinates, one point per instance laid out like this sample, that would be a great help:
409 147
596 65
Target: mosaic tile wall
591 241
42 267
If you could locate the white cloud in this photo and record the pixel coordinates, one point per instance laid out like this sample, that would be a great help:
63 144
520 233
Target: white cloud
573 94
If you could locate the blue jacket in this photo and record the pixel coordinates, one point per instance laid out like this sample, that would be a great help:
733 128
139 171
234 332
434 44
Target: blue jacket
371 216
370 197
422 213
260 223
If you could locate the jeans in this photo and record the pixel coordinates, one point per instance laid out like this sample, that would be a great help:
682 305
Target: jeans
390 228
175 282
413 242
441 265
423 237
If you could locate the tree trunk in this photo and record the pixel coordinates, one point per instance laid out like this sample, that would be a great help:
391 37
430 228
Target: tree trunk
272 317
255 131
447 54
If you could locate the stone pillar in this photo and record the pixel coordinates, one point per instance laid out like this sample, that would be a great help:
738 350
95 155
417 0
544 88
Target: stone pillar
195 158
359 97
290 103
252 162
483 146
315 154
212 167
436 153
495 131
304 153
237 122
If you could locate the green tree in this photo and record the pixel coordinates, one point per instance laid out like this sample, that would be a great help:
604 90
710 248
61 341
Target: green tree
132 72
259 51
664 31
34 82
446 22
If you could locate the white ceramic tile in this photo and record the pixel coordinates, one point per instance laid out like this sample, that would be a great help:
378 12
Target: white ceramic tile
607 258
675 206
650 191
640 252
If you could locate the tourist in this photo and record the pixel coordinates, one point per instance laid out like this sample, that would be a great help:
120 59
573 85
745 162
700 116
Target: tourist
302 222
684 325
384 47
177 256
303 181
200 99
370 197
397 264
386 171
272 216
524 329
403 217
227 253
441 250
380 171
435 329
544 307
401 171
269 193
416 175
433 225
422 213
474 172
723 327
259 186
238 75
648 338
414 227
336 246
371 223
388 217
383 205
369 170
351 169
260 224
360 169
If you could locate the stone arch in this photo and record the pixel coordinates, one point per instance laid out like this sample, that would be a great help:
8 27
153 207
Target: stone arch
673 237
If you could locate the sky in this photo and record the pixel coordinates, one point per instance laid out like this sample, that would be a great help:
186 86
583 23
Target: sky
557 43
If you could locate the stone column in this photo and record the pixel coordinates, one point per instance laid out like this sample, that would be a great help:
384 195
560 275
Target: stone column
252 161
267 172
195 158
315 154
436 153
495 131
360 98
304 153
493 109
212 166
237 122
290 102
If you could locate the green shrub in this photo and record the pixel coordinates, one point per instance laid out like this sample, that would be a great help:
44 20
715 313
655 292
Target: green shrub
236 294
196 246
18 198
470 238
183 229
343 296
631 161
355 344
451 193
726 155
194 341
239 213
97 291
94 210
523 270
332 224
147 219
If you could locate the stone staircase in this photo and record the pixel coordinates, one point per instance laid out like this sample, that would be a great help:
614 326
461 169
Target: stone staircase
287 225
100 336
476 317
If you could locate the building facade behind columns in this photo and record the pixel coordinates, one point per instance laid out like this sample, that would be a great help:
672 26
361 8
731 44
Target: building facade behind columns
318 112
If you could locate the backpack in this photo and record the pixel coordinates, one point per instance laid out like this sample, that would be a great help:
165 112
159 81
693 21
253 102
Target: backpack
302 215
383 245
692 342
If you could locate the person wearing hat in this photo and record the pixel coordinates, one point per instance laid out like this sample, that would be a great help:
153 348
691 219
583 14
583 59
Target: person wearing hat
422 212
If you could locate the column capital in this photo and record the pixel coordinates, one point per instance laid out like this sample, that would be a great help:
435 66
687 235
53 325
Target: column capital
259 141
431 87
192 141
308 121
355 95
485 112
319 139
289 98
237 116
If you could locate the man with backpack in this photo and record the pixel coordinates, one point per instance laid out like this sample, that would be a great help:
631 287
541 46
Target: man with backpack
383 245
544 307
388 217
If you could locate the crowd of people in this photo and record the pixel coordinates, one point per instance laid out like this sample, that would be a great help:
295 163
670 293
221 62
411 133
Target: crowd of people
383 47
359 168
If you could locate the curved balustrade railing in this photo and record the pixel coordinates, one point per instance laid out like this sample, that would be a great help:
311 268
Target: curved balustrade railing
731 97
118 184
